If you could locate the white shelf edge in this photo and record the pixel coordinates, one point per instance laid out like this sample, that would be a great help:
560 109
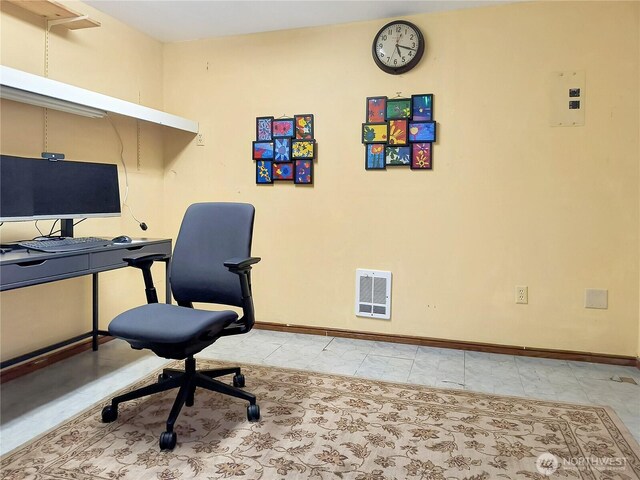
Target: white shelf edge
13 78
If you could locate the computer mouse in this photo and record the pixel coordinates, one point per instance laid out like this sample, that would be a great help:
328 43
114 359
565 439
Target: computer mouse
122 239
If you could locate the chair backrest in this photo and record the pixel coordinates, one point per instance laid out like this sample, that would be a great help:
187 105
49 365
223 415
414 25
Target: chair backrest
210 234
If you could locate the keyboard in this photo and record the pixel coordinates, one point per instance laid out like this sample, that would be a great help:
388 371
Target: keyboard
65 244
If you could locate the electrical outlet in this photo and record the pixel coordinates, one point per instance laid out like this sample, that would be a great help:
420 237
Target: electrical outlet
200 139
522 294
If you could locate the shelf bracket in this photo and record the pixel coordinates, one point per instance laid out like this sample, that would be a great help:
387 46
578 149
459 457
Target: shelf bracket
62 21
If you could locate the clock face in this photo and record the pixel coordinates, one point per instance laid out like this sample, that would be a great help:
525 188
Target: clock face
398 47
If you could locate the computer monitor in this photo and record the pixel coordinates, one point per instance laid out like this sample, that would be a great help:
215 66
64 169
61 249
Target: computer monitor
38 189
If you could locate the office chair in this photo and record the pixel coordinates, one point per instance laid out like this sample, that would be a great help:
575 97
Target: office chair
211 263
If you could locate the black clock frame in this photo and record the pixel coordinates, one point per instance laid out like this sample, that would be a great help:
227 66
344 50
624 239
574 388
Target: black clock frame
403 68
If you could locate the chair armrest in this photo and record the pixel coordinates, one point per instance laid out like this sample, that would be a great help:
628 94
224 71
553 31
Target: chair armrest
242 267
142 259
239 263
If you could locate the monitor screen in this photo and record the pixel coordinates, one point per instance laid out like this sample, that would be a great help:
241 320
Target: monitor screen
36 188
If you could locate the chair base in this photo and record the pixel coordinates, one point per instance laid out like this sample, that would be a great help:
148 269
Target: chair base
187 381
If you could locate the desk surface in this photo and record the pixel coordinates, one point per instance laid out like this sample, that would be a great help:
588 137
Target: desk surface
22 268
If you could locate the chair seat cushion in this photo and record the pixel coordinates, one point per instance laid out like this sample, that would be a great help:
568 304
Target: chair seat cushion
171 324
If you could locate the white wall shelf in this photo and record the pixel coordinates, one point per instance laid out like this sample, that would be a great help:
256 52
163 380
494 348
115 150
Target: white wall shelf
36 90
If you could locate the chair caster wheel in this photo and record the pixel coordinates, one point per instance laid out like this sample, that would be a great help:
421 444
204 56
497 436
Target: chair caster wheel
168 440
109 414
238 380
253 413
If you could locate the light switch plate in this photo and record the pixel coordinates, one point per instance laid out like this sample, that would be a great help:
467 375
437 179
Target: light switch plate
596 298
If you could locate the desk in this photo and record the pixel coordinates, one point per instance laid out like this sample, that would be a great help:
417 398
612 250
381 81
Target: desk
22 268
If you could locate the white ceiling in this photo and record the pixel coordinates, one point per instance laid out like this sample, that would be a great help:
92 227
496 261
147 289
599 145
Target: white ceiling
181 20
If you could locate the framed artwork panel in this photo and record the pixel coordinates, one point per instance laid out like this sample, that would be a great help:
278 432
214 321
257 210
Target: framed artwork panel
398 131
397 156
282 149
303 172
374 157
376 109
264 172
283 128
398 108
262 150
375 132
422 131
264 129
283 171
303 149
421 156
422 107
304 126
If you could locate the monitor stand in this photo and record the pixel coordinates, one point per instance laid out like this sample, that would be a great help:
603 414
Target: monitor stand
66 227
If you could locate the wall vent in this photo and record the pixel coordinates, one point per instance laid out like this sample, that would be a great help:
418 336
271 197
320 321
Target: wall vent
373 294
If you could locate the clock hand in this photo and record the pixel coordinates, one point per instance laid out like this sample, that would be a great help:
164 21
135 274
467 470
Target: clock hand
408 48
392 54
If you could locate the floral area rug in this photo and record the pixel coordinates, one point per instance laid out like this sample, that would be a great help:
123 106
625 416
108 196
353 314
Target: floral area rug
322 426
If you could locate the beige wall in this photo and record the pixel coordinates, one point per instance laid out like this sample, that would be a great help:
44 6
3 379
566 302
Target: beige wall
114 60
510 201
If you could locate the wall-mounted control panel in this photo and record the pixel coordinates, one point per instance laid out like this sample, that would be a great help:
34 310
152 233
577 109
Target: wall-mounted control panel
567 97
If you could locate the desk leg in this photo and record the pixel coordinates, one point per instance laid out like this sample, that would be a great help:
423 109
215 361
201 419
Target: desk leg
94 330
168 286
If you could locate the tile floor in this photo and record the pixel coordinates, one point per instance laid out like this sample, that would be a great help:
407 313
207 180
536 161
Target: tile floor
39 401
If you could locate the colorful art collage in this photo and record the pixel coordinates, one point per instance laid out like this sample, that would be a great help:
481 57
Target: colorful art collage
399 132
284 149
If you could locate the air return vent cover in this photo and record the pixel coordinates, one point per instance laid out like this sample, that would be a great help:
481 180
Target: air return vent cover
373 294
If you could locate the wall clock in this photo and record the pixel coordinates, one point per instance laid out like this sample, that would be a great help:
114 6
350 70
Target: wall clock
398 47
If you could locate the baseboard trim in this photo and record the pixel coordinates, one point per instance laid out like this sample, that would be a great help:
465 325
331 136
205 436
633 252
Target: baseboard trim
42 361
53 357
436 342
